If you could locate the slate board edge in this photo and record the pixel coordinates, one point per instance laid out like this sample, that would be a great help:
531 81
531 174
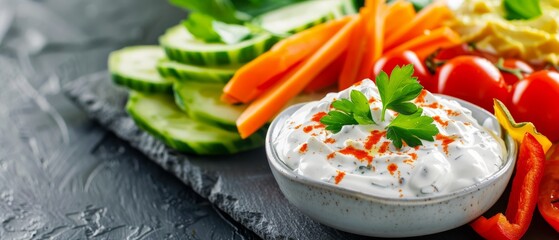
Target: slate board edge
202 182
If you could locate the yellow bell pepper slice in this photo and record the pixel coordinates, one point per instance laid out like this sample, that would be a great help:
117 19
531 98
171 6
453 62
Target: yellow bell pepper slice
517 130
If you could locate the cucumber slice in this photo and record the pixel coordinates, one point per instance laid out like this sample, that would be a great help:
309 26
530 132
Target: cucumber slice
158 115
184 72
300 16
201 102
350 7
182 47
135 68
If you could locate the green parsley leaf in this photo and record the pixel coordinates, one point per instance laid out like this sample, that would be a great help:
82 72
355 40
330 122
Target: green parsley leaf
232 11
200 26
207 29
397 91
222 10
411 128
522 9
351 111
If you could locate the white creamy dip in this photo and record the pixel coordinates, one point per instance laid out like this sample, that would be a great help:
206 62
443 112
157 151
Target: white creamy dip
361 158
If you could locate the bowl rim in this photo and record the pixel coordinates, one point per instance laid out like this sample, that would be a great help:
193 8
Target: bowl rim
276 163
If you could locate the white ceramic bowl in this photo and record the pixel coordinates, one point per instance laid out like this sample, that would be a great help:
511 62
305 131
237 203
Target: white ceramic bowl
372 215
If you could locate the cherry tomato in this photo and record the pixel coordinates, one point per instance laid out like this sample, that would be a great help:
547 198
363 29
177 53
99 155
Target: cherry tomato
548 198
452 52
535 99
461 50
473 79
510 66
387 63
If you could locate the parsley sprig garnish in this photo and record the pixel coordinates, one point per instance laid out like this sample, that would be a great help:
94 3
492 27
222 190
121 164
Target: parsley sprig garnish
411 128
348 112
396 93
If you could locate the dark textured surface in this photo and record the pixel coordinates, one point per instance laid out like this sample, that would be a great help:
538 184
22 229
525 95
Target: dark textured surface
64 177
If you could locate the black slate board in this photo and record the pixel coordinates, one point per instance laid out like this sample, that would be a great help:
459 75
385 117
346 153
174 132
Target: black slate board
241 185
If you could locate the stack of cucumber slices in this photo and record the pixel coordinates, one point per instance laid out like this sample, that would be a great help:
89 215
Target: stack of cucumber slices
176 87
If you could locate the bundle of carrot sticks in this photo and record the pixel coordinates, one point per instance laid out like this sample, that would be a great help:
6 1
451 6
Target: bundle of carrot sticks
341 52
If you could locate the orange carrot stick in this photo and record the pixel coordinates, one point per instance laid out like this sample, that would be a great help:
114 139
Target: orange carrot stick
260 88
282 56
429 42
271 102
430 17
328 76
398 14
367 42
424 51
355 52
375 37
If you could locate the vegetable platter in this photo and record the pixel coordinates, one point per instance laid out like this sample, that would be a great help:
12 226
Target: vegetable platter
219 78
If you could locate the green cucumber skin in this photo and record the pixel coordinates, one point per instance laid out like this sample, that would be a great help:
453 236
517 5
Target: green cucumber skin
177 145
184 100
334 15
312 24
125 71
142 86
183 75
217 58
242 55
220 147
201 116
349 7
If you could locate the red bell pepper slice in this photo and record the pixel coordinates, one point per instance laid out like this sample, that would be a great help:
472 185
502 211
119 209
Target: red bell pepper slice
523 196
548 201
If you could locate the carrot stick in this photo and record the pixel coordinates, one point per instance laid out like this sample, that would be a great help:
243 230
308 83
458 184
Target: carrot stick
367 42
271 102
429 42
260 88
430 17
355 52
275 79
398 14
229 99
375 37
328 76
425 51
282 56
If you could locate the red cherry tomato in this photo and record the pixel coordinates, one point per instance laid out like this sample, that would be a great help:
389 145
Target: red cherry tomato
548 200
452 52
387 63
473 79
510 66
461 50
535 99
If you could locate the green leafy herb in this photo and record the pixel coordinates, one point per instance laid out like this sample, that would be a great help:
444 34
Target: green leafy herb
348 112
207 29
411 128
200 26
232 11
397 91
522 9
